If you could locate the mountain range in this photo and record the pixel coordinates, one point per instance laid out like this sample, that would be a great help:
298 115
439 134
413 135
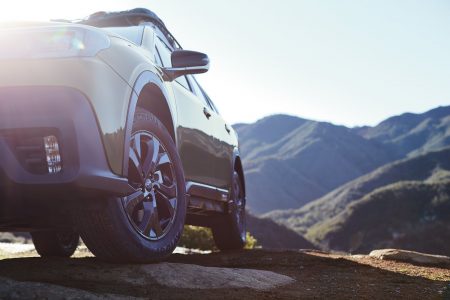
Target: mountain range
290 161
399 199
404 215
353 189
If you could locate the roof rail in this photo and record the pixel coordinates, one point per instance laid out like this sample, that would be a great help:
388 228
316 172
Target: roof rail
133 17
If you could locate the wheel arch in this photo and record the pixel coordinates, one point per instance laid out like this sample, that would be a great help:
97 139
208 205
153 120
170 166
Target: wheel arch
150 94
237 166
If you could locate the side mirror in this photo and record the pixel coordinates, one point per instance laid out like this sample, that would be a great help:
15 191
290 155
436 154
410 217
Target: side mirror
187 62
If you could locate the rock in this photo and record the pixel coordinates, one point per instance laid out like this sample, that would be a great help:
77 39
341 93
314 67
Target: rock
11 289
176 275
410 256
198 277
63 272
248 274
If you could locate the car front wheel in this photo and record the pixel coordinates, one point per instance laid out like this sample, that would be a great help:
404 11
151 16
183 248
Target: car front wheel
145 226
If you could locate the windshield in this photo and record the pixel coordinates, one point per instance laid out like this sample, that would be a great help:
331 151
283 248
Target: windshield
133 33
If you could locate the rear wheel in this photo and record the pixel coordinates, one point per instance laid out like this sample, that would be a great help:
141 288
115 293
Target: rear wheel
55 243
230 232
145 226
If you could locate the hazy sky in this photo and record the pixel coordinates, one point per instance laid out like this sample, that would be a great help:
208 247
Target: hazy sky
348 62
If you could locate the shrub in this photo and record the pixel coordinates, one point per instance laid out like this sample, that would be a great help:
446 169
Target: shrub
197 238
201 238
251 242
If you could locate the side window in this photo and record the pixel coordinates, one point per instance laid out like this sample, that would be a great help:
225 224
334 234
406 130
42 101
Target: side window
198 91
158 59
165 55
209 101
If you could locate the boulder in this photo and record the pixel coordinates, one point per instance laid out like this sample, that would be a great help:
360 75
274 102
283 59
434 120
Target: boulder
34 283
199 277
410 256
12 289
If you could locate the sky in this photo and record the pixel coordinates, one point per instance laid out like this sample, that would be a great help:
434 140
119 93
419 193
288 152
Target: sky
347 62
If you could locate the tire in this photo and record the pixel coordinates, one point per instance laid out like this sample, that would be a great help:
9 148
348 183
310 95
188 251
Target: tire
145 226
230 232
55 243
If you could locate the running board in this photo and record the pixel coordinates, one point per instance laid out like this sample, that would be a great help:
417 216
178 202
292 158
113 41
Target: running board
206 191
204 199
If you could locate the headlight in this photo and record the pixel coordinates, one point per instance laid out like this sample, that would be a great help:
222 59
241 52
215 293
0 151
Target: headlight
51 42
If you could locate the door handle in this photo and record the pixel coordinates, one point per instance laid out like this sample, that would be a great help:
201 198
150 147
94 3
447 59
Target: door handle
227 128
206 113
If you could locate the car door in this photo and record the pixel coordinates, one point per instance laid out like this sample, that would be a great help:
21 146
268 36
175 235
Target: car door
223 141
194 131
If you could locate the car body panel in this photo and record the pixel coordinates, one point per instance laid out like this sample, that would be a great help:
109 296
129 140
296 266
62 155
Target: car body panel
107 92
110 83
195 138
225 143
206 148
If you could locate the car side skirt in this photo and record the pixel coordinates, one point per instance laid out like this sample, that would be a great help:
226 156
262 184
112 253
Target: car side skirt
205 202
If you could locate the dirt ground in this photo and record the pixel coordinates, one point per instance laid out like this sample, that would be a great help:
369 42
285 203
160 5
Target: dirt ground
317 276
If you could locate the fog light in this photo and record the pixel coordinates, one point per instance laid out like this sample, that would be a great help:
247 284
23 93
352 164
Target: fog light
54 163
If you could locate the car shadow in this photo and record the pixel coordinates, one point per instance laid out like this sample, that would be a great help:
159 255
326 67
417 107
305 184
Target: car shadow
316 276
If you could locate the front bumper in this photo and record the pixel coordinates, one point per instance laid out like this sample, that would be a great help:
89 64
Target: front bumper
67 114
108 93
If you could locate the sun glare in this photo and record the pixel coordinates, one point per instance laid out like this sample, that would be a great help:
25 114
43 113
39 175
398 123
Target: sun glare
41 11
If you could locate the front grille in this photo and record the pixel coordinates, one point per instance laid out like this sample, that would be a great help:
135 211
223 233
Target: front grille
29 149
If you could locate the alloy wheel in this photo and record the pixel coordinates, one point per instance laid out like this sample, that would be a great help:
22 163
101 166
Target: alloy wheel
239 203
152 208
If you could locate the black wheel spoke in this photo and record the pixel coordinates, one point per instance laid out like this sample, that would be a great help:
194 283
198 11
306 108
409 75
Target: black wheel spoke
150 225
151 157
156 226
136 145
169 203
156 152
136 164
146 222
169 191
163 159
132 201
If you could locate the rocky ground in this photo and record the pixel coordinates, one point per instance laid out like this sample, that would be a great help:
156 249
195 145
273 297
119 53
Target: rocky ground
251 274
